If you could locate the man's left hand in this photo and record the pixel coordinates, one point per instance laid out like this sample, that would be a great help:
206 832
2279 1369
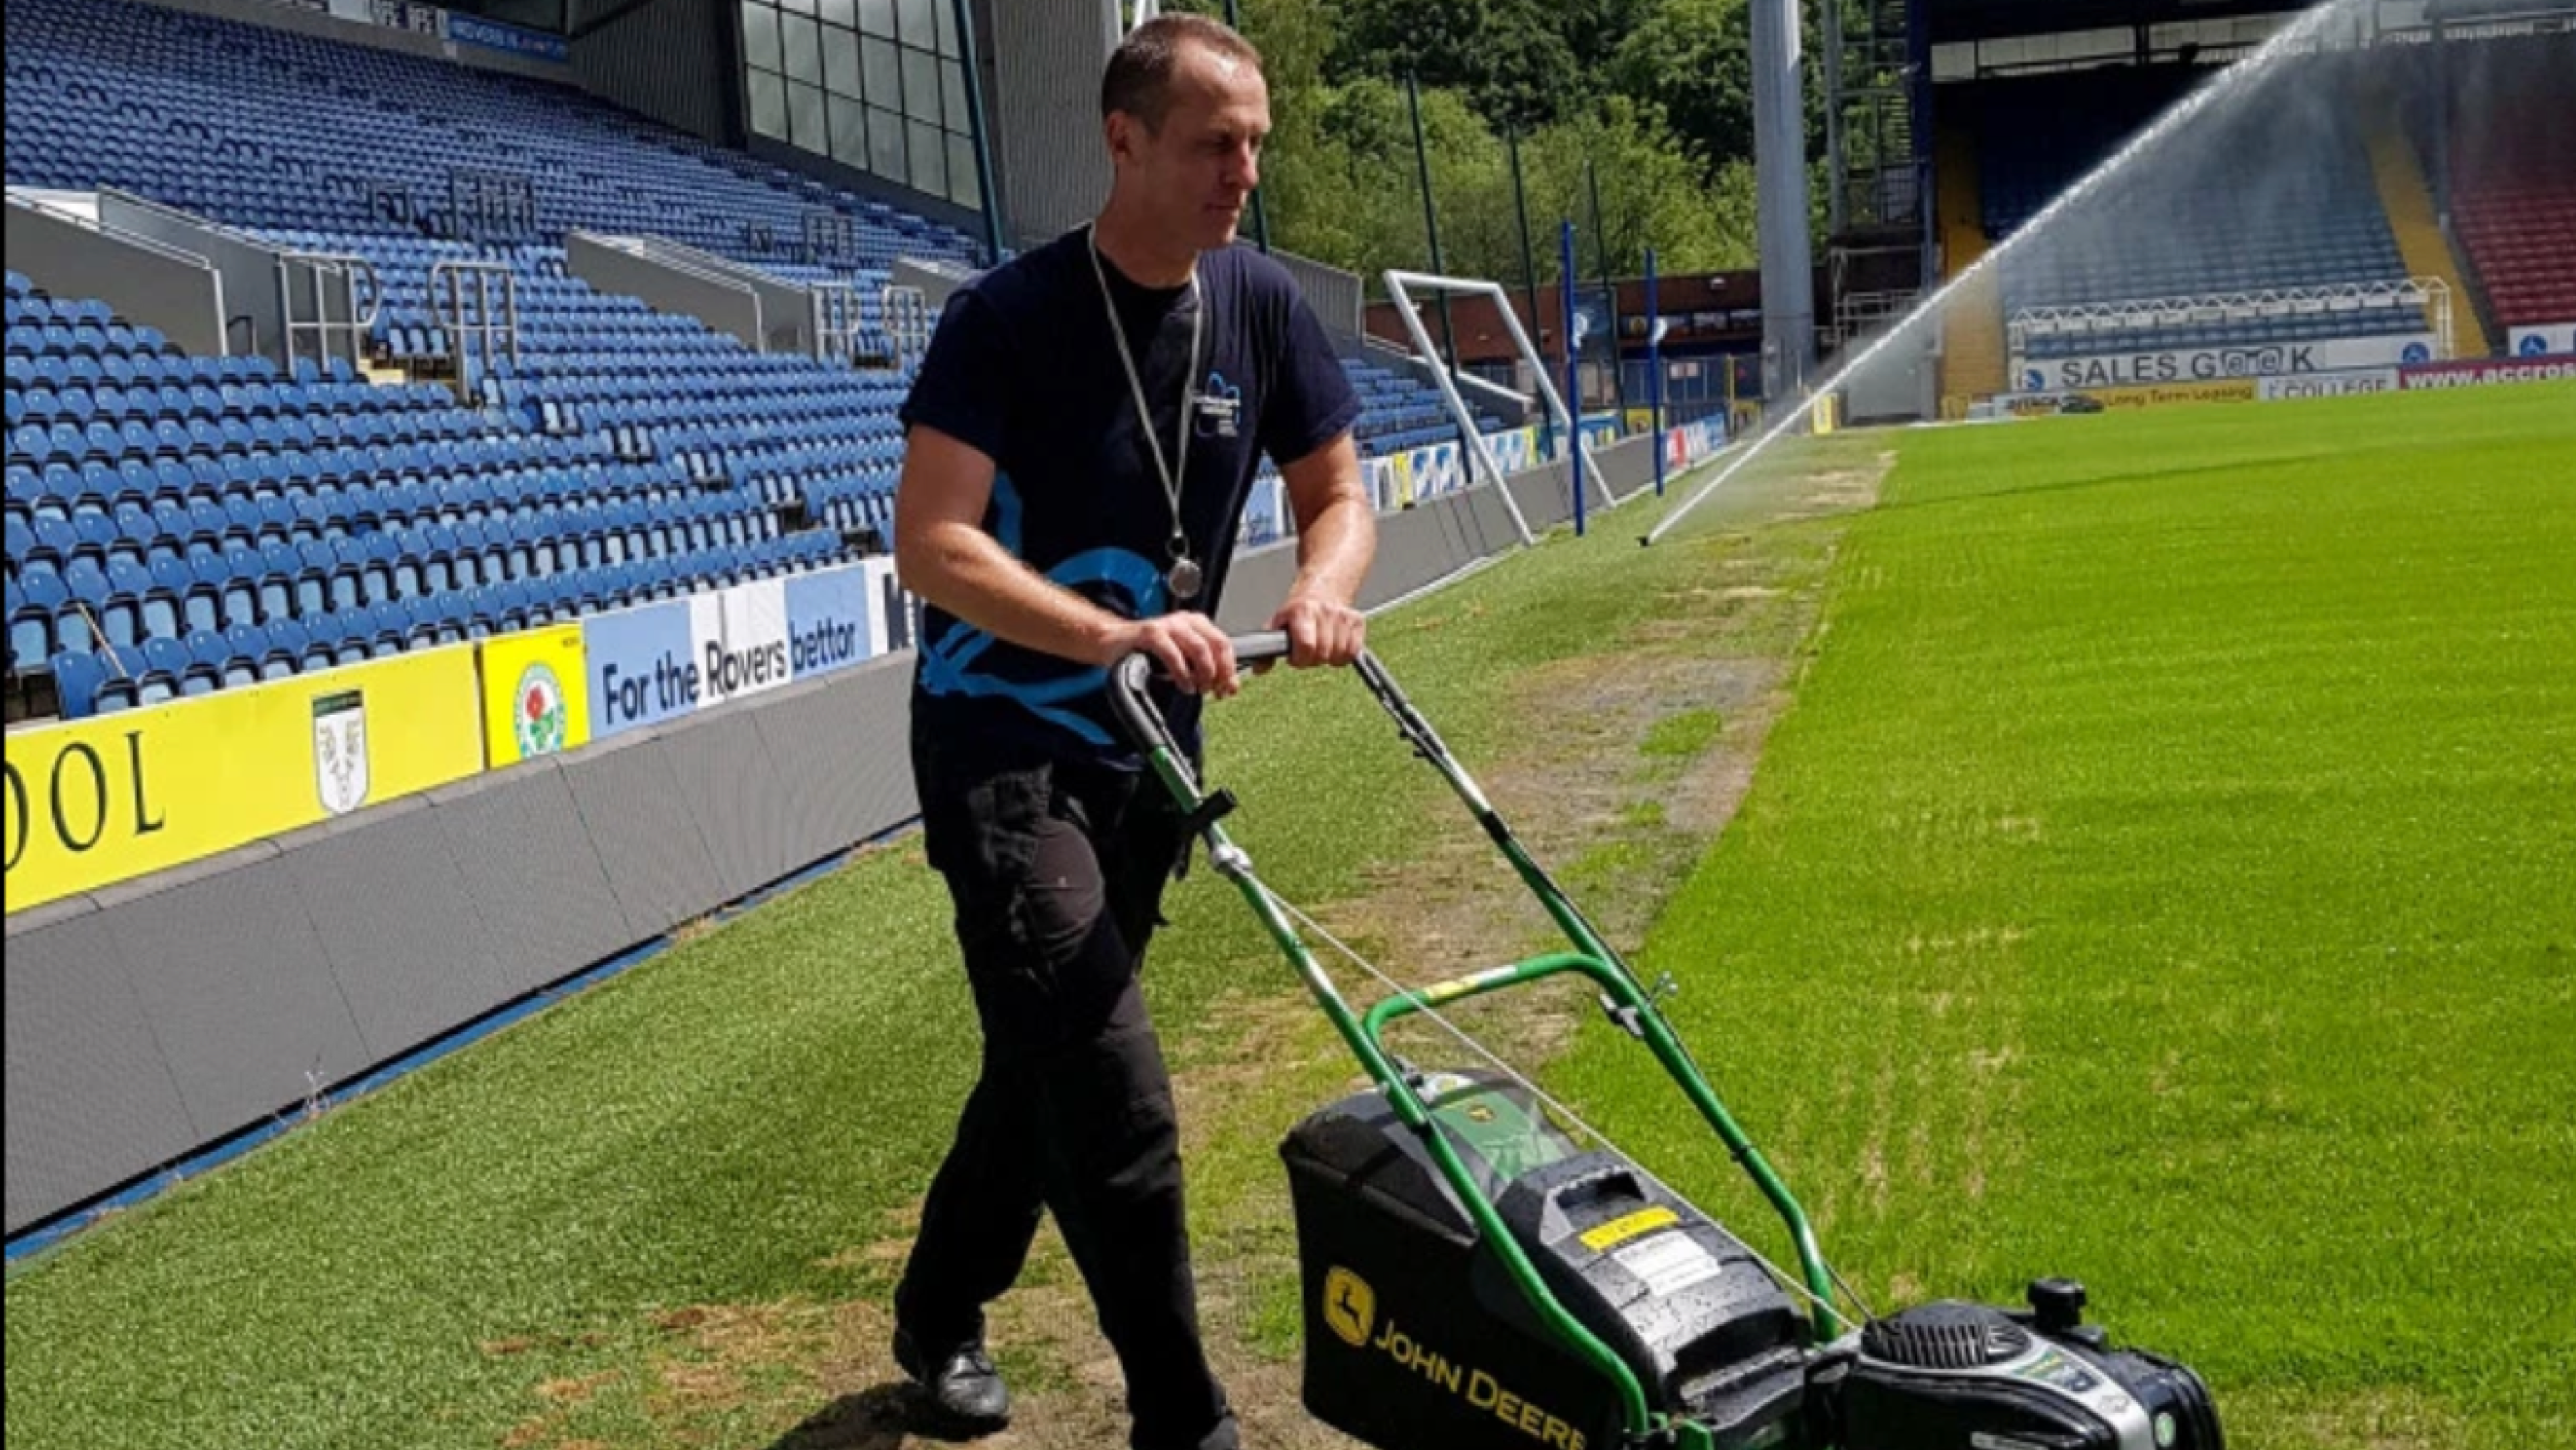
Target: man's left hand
1321 632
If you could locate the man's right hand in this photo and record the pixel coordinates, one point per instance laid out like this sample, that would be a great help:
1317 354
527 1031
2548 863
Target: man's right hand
1192 650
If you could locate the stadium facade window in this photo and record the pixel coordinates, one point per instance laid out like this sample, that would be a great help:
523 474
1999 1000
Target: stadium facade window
760 39
849 133
841 63
885 145
885 74
917 22
769 105
920 85
804 42
805 127
874 84
929 158
961 172
960 117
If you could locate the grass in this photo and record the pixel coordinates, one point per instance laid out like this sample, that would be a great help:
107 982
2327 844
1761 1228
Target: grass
2168 877
2161 878
520 1243
1685 734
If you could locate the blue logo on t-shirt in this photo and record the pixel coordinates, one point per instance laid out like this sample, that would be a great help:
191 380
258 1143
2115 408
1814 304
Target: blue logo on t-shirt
1219 408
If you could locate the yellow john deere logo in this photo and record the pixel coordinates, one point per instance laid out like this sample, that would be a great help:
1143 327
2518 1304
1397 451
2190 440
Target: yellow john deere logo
1350 1307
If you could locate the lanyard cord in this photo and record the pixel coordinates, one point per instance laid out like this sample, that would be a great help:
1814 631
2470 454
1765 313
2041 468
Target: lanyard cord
1172 485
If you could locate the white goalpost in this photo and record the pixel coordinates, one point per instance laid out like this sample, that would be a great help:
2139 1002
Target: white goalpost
1401 286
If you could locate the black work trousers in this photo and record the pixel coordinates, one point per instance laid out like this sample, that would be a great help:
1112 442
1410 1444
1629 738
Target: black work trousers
1057 870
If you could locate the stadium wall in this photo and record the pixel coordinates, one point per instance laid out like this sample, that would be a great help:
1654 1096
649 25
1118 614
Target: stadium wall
1046 67
676 61
152 1020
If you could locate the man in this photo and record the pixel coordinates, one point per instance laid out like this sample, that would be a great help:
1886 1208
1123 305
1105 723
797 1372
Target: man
1081 441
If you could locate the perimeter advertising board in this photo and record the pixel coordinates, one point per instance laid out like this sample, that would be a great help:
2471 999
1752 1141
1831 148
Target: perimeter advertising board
106 799
2167 367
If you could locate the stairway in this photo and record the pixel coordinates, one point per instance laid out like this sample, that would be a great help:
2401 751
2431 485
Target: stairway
2409 203
1973 361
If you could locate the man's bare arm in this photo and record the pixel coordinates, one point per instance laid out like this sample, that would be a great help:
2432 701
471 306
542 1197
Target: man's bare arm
943 554
1336 540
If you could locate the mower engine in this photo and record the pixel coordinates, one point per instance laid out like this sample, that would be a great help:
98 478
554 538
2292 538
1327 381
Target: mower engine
1949 1374
1417 1337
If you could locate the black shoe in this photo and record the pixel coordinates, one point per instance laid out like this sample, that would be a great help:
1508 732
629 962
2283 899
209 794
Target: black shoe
963 1389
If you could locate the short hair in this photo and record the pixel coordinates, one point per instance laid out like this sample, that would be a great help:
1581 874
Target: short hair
1139 78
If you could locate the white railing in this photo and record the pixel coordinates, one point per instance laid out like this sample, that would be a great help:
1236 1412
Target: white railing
2427 297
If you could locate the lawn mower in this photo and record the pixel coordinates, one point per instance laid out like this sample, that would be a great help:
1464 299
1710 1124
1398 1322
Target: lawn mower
1476 1279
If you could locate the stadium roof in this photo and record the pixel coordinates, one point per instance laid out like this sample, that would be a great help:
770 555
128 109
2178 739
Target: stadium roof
1996 19
1954 20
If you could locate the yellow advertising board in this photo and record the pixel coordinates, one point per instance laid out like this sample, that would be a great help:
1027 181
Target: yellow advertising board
2166 395
98 801
536 694
1403 471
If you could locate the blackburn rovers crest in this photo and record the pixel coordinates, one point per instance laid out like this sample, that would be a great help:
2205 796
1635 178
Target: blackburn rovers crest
540 720
340 751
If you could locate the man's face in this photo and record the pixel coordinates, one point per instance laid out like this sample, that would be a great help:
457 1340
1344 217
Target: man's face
1194 173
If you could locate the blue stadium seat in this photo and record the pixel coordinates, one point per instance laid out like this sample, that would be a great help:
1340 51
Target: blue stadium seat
79 675
203 671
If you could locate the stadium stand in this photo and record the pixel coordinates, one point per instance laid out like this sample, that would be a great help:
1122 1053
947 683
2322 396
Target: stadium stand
2514 184
2237 221
1402 412
283 523
177 524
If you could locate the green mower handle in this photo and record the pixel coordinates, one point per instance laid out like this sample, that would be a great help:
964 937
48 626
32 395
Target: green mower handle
1129 689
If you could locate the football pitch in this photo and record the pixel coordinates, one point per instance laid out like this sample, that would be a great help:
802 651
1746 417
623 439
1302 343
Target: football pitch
2148 855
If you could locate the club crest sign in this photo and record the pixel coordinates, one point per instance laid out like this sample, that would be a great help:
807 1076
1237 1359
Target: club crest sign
540 718
340 751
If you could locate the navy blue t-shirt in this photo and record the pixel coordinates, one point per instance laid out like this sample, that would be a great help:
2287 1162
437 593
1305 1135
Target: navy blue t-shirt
1024 368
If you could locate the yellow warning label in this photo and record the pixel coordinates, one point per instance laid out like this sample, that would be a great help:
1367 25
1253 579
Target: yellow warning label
1619 1230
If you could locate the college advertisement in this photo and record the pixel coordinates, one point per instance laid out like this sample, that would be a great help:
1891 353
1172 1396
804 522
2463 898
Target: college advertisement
2554 339
661 661
2164 368
2350 382
107 799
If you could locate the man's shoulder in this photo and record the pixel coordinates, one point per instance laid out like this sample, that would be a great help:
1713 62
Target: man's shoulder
1258 272
1024 280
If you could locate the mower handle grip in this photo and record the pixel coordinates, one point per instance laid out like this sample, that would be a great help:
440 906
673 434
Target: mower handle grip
1130 677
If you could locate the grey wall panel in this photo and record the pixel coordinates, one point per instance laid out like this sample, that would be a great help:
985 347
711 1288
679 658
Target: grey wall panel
251 288
234 981
1337 296
813 761
737 796
672 60
90 1100
526 861
723 305
1412 550
181 294
411 953
873 708
648 840
1256 583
